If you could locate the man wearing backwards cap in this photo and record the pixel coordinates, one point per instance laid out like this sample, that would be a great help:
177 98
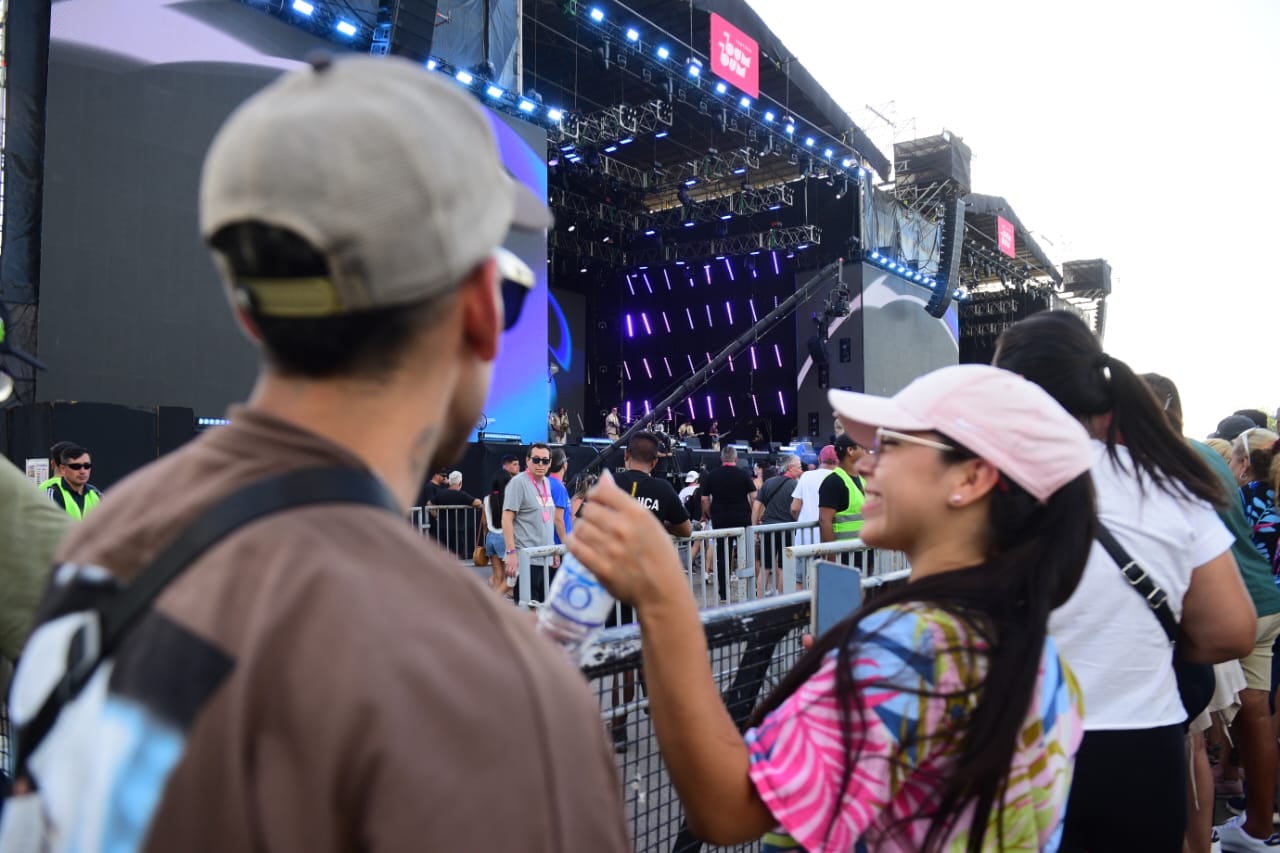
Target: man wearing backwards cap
327 680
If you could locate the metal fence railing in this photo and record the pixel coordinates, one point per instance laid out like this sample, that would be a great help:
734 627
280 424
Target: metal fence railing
719 565
770 542
6 748
735 564
798 560
752 645
456 528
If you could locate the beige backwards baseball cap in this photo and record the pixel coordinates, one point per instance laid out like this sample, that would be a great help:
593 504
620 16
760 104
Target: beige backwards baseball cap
388 170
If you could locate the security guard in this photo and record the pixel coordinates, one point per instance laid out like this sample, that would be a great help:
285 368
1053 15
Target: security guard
72 491
841 495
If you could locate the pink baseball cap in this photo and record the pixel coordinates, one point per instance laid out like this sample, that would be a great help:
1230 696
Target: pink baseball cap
1010 422
828 454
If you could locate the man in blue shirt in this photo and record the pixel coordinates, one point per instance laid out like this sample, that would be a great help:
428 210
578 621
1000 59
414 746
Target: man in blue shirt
560 494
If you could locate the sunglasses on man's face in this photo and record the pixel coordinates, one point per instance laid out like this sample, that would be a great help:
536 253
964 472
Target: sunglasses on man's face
540 460
79 466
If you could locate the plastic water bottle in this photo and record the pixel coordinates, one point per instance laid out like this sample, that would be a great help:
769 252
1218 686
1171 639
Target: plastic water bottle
576 609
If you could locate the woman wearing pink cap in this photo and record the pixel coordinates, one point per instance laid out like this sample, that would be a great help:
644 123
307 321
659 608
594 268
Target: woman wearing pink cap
937 717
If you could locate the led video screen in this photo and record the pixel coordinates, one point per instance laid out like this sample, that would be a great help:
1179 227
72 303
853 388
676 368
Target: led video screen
131 310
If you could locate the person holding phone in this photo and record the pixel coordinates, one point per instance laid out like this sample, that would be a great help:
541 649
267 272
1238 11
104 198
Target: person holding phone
937 716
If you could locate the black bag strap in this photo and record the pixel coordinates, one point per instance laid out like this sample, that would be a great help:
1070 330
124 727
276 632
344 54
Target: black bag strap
765 499
1141 582
112 620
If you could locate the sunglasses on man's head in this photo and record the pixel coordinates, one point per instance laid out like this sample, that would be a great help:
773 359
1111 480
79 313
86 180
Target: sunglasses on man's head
540 460
78 466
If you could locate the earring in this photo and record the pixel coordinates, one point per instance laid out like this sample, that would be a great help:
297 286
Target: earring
955 499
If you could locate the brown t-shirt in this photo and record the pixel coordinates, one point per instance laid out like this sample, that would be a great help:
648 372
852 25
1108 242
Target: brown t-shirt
326 680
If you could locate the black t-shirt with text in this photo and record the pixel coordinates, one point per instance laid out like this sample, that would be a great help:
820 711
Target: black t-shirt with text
655 495
729 487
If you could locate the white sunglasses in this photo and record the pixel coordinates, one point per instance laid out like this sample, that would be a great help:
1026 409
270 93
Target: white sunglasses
888 437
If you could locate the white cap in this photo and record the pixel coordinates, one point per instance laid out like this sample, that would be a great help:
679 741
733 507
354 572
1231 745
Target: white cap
1010 422
691 477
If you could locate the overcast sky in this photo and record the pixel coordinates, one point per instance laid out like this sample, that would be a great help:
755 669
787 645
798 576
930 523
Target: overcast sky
1145 133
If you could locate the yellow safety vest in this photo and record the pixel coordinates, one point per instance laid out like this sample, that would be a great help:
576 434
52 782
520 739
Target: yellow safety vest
91 498
848 522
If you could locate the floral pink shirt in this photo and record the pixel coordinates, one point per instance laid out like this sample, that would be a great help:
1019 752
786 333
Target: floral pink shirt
902 737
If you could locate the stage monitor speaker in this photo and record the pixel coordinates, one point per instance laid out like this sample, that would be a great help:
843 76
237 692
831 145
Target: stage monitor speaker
948 257
817 350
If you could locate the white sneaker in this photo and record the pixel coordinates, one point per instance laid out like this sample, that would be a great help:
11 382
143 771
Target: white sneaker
1234 839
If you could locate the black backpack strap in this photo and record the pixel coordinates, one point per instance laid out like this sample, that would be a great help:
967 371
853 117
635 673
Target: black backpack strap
1141 582
112 620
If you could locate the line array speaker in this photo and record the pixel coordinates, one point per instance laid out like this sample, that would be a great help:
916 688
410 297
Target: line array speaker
948 257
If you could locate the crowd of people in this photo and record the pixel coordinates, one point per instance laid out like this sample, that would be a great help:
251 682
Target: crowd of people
1091 615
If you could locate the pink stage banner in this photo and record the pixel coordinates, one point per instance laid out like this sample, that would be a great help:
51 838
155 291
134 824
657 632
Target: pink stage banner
735 56
1007 237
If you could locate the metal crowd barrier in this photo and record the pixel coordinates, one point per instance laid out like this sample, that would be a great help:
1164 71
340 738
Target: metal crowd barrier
456 528
6 748
770 544
752 646
719 565
754 560
874 563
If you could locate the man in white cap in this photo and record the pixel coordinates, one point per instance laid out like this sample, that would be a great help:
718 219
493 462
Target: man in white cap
690 486
328 681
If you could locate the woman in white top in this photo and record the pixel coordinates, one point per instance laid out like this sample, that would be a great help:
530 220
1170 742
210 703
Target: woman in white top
1157 497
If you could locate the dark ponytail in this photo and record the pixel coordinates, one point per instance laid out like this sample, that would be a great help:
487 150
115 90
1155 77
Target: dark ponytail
1058 352
1036 557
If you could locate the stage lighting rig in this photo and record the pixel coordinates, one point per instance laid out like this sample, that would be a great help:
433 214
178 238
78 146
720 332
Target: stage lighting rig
760 113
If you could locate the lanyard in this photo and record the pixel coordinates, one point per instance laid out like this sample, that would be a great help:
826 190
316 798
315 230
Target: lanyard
544 494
